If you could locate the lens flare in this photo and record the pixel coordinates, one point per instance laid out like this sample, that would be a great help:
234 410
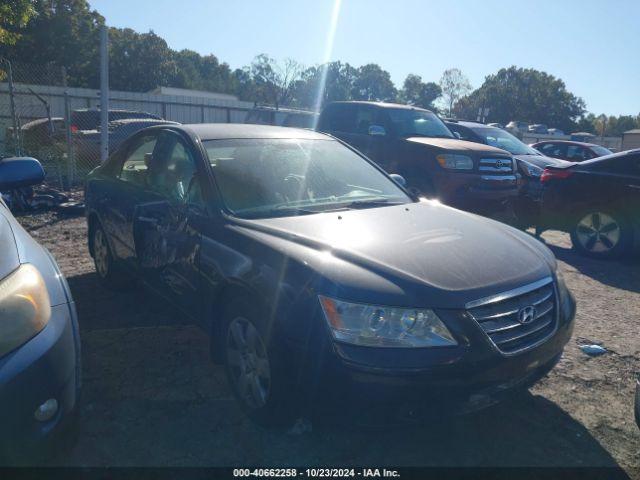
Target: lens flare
333 25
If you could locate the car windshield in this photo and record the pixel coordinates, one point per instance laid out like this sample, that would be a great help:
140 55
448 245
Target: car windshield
260 178
409 123
504 140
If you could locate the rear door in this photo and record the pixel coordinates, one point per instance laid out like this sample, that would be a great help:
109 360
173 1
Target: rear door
128 189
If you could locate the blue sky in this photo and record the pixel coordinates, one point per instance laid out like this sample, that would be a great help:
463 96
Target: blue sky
593 45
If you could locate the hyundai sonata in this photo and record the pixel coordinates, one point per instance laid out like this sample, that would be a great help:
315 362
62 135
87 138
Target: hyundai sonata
318 276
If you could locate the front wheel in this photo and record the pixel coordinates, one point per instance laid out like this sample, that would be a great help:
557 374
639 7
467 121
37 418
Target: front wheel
601 233
255 369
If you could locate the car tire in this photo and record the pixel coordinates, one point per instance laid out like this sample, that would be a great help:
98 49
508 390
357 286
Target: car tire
256 368
109 272
601 233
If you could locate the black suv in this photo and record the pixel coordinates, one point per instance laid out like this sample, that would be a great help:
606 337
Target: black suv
415 143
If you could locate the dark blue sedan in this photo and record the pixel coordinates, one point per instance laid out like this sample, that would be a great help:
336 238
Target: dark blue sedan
39 338
320 279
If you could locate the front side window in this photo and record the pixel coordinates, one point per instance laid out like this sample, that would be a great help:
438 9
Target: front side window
576 153
279 177
601 151
411 123
172 170
134 168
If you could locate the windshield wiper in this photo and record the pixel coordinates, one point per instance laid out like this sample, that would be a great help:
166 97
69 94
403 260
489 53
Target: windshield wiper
374 202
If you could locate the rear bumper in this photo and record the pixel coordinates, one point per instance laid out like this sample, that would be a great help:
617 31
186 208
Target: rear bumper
637 403
46 367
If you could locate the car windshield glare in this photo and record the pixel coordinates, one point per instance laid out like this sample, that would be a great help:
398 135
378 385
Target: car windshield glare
260 178
500 139
408 122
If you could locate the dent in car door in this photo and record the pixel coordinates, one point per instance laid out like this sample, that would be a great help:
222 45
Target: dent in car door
167 231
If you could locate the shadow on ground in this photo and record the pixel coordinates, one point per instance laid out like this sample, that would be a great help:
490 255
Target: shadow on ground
623 273
152 397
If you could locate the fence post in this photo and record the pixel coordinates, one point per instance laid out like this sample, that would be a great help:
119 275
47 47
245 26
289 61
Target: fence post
71 161
104 94
14 117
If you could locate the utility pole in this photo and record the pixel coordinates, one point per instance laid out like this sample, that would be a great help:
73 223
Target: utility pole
104 93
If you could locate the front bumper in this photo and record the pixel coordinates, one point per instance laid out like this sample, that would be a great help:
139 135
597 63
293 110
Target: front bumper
458 188
45 367
440 380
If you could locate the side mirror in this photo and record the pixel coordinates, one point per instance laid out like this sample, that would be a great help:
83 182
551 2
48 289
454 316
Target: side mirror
18 172
399 179
377 131
457 135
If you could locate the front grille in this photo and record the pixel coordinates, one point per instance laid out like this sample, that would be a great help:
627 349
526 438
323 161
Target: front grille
496 165
499 316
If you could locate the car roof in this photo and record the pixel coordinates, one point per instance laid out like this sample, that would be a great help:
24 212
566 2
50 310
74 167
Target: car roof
569 142
154 121
220 131
382 105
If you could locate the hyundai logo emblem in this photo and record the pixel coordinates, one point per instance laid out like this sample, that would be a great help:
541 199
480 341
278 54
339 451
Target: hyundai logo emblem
527 314
500 164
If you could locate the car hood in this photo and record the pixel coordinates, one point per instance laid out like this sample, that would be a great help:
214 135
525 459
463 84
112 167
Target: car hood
425 243
9 259
457 145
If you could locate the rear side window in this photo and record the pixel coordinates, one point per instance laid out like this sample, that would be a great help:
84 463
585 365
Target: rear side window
339 118
553 150
136 163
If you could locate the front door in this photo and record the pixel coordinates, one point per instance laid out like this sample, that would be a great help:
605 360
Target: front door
166 230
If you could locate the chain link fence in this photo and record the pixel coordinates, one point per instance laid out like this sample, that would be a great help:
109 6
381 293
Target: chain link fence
60 126
31 122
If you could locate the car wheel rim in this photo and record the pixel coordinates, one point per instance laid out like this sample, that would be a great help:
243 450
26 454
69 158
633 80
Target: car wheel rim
101 254
248 363
598 232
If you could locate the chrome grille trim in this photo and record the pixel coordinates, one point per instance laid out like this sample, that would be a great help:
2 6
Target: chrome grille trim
509 293
497 316
496 165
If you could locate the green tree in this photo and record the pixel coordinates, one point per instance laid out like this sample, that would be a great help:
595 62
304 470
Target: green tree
139 62
416 92
64 32
373 83
274 83
454 85
338 84
524 94
14 16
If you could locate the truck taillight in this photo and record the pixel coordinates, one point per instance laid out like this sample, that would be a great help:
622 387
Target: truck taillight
555 174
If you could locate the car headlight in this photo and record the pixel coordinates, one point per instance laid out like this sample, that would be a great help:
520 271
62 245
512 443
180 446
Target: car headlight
25 307
452 161
378 326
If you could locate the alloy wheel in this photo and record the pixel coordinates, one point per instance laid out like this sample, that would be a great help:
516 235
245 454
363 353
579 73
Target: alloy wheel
101 253
248 363
598 232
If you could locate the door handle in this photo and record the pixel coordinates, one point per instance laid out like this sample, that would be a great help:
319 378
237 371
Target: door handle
634 186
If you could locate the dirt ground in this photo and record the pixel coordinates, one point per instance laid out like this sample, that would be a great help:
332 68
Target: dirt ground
151 396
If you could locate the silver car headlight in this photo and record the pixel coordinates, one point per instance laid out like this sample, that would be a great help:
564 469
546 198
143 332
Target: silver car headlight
25 307
453 161
378 326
